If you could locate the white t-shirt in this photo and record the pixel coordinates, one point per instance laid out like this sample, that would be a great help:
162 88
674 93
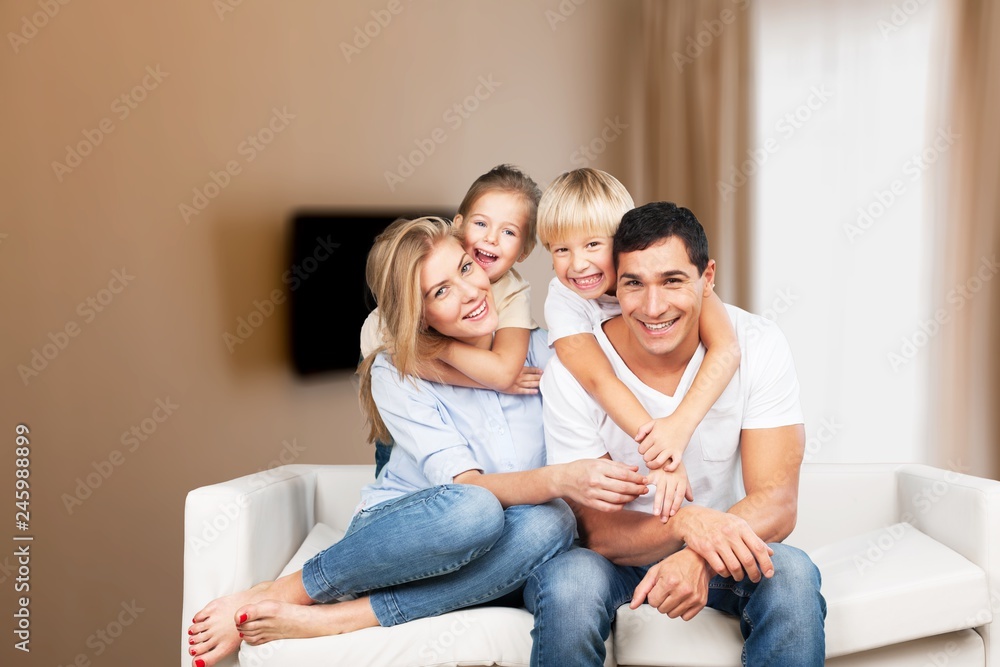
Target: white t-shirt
567 313
764 393
511 295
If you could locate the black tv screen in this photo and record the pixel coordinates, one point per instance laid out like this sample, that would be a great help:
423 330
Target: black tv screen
328 297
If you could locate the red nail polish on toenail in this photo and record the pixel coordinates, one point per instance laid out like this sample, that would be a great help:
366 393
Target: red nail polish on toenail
243 618
199 663
191 641
241 634
193 652
190 632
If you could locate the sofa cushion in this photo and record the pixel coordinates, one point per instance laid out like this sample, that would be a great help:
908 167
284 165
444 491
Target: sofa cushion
882 587
478 636
895 584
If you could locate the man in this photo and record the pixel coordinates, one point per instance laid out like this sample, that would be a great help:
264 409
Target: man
743 464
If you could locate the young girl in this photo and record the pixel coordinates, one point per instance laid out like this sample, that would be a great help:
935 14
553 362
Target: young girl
462 513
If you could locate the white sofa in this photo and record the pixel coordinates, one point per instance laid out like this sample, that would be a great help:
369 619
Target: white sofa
910 558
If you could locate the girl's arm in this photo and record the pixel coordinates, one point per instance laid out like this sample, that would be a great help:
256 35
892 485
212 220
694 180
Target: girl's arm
468 366
663 441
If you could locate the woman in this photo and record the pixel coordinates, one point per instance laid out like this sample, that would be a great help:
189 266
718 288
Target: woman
463 511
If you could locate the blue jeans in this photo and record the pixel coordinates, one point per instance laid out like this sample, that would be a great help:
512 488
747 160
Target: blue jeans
574 598
437 550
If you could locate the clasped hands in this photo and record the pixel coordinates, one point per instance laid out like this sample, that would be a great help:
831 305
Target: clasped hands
717 543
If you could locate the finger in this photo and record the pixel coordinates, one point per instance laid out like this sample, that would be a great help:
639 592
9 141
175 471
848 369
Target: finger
692 610
642 590
732 564
672 464
678 498
661 493
644 430
689 495
748 562
762 555
624 473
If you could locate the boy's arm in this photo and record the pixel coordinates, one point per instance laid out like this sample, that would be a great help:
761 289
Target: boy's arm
669 436
582 356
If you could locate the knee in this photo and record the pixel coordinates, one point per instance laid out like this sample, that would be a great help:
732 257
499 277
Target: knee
574 580
550 525
474 515
797 580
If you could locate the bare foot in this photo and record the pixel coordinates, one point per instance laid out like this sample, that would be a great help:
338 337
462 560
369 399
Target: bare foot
213 634
270 620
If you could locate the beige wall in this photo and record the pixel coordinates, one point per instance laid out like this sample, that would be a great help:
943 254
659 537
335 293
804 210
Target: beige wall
160 336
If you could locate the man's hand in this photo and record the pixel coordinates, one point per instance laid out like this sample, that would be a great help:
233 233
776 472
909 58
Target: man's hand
671 490
601 484
677 586
726 542
662 442
526 382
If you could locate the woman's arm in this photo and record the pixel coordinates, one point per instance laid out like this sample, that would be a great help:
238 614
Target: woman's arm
600 484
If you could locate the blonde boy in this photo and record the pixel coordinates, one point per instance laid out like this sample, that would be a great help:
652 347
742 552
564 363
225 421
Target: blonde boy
577 217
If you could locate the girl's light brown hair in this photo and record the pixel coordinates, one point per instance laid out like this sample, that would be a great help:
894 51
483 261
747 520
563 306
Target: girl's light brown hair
510 179
393 275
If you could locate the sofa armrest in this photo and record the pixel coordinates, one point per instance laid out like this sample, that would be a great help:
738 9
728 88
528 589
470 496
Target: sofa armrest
963 513
241 532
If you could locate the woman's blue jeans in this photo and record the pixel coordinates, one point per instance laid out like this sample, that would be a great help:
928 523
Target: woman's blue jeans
574 598
437 550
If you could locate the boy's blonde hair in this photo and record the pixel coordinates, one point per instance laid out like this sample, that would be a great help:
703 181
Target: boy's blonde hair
393 274
584 201
507 178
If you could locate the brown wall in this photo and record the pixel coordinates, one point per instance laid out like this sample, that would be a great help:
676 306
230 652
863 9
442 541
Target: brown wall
63 235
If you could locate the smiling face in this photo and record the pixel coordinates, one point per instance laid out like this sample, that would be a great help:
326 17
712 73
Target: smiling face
457 299
585 265
661 296
494 231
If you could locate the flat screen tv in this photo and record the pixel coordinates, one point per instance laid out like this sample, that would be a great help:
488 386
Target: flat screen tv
328 297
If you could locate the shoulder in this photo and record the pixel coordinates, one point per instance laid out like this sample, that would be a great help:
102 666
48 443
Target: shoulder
755 333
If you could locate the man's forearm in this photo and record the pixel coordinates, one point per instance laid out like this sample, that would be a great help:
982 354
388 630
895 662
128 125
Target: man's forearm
627 537
771 513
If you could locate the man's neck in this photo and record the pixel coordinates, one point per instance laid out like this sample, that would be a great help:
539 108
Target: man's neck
662 372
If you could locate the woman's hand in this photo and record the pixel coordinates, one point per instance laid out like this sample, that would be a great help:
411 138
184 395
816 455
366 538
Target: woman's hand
600 484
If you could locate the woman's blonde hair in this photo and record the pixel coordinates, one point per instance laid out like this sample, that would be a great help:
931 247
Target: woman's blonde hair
582 202
393 275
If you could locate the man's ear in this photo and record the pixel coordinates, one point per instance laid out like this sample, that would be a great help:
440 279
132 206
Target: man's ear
709 276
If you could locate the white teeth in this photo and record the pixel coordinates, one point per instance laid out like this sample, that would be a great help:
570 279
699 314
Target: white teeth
487 254
659 326
478 311
588 281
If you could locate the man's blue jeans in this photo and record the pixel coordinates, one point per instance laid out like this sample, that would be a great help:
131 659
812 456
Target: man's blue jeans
437 550
575 595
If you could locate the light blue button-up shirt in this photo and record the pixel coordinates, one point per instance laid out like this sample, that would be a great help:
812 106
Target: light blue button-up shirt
441 431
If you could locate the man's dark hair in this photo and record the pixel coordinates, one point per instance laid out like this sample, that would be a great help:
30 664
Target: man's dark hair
657 221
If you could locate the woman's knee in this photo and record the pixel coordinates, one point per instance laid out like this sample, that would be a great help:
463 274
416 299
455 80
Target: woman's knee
550 527
473 515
